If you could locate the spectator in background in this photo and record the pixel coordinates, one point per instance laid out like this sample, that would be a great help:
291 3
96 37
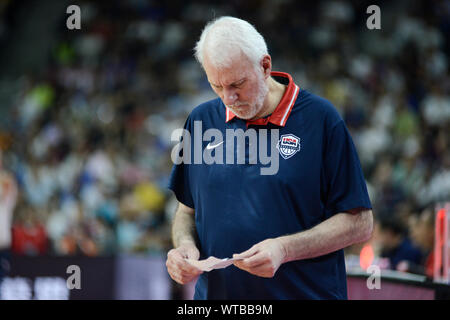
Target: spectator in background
422 235
8 198
29 235
395 244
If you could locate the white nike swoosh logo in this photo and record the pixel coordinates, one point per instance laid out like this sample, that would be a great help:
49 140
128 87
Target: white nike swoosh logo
210 146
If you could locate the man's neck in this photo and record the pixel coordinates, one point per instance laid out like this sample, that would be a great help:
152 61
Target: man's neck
273 98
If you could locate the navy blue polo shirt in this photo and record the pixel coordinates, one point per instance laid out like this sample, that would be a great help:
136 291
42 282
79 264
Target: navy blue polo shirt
319 175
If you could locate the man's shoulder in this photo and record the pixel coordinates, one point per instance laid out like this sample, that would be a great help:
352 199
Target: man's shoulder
208 109
316 105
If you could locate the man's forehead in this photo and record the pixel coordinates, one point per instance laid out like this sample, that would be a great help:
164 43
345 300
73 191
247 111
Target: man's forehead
228 75
238 66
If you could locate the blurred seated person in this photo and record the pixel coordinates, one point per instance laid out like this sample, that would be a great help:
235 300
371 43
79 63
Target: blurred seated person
422 235
395 244
29 236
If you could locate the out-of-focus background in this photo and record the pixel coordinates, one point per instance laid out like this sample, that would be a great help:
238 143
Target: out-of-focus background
86 118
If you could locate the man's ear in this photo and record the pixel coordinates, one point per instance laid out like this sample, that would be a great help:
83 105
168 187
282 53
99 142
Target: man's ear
266 65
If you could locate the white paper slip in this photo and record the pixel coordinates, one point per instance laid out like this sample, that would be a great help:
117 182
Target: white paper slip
212 263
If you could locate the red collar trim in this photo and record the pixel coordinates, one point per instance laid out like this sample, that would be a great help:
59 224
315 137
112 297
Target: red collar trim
282 111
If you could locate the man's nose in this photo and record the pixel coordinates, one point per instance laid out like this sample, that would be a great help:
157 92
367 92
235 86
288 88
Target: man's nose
229 97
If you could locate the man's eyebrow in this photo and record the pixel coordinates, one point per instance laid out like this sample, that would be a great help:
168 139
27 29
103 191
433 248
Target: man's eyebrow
240 81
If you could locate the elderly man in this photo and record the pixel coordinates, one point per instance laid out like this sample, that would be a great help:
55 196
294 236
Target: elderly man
286 230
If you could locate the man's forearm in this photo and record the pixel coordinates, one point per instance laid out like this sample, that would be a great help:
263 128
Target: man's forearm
337 232
183 228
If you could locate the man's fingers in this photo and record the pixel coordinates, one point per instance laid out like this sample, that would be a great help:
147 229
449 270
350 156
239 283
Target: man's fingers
175 254
263 270
259 267
177 262
246 254
252 262
255 260
180 276
177 257
185 266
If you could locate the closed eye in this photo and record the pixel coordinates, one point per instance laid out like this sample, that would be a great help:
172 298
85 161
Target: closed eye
236 84
216 86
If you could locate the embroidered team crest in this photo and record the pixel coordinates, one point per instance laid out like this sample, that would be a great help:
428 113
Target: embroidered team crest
288 145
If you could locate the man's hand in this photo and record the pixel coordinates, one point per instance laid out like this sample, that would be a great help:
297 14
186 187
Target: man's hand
263 259
179 269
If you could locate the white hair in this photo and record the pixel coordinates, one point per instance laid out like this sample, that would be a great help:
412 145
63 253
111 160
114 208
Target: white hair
225 38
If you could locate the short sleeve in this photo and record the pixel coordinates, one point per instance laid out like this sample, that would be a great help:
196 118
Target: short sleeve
344 180
179 177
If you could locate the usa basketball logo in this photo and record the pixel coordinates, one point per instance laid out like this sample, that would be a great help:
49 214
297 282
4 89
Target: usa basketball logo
288 145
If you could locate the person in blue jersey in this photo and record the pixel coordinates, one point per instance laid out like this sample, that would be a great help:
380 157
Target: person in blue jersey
289 226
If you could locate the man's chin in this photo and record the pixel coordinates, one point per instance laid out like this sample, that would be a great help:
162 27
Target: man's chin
243 115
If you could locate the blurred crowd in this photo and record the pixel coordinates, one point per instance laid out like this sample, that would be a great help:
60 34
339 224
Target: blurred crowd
88 139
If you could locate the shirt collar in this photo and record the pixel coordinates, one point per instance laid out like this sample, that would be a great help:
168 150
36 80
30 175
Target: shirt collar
282 111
